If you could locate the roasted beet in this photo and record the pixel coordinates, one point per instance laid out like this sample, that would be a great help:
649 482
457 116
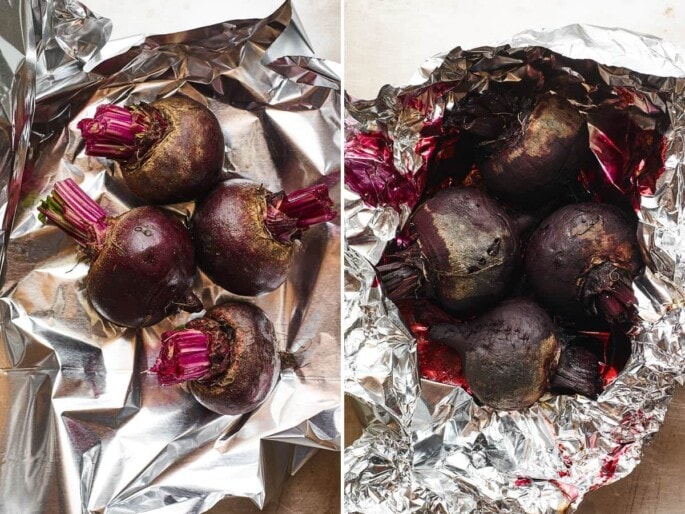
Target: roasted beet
171 150
543 155
508 354
246 236
578 371
582 260
466 249
229 358
141 262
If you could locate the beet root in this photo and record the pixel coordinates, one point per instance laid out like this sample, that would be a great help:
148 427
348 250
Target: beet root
508 354
581 262
246 237
141 262
229 358
545 154
171 150
466 250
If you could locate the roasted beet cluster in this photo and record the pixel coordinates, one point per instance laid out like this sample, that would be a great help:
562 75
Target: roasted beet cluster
143 262
526 282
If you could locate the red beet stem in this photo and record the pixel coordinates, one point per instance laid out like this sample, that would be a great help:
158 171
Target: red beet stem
288 215
618 303
184 356
122 133
72 210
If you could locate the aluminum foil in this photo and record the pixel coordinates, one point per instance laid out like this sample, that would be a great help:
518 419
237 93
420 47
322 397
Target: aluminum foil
83 426
428 447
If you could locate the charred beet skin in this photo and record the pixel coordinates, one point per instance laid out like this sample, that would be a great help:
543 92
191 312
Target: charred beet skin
246 236
544 154
229 358
171 150
466 250
141 262
508 355
582 260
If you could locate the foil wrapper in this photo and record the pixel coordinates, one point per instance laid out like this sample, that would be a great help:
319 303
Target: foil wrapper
83 426
428 447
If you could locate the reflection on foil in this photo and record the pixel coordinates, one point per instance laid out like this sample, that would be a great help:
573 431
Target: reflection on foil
83 426
428 447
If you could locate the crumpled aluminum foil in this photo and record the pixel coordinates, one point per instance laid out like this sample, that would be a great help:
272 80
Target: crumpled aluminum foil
427 447
83 426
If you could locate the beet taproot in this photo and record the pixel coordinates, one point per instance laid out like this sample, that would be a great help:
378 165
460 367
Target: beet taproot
170 150
466 249
508 354
581 262
246 237
229 358
141 262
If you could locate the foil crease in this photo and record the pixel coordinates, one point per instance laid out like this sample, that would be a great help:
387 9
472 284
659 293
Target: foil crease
439 451
83 426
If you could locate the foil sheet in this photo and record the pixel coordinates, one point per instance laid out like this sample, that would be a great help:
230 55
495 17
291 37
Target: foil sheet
83 426
428 447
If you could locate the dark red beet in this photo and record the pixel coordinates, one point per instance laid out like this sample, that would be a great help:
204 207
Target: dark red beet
466 250
171 150
141 262
582 260
508 354
545 153
246 236
229 358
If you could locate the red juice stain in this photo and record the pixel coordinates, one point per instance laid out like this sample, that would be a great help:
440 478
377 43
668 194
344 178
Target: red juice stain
520 482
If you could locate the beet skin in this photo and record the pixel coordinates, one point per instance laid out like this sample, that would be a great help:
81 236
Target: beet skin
581 262
229 358
508 354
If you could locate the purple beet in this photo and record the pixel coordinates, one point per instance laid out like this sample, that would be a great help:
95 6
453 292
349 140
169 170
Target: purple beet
246 237
543 155
171 150
229 358
582 260
141 262
466 250
508 354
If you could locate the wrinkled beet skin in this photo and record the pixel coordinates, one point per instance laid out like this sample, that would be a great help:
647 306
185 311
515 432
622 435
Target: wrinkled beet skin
187 162
234 247
547 154
508 354
469 248
145 269
255 364
570 242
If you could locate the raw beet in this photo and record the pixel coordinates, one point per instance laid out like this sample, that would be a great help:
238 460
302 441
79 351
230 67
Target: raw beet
141 262
582 260
466 250
171 150
545 153
508 354
229 358
246 237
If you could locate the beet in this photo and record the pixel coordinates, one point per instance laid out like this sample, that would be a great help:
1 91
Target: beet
578 371
229 358
246 237
466 250
171 150
508 354
581 262
141 262
545 153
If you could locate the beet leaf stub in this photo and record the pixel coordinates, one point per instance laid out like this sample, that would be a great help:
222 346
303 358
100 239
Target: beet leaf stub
288 215
184 356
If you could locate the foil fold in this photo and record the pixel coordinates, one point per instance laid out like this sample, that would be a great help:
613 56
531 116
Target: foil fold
453 455
83 426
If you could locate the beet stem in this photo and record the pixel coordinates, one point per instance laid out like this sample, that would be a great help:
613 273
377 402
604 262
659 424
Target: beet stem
184 356
122 133
73 211
288 215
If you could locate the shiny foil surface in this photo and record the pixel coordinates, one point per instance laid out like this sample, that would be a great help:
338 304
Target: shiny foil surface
428 447
84 427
